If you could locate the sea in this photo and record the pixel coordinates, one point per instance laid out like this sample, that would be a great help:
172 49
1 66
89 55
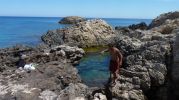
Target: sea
28 30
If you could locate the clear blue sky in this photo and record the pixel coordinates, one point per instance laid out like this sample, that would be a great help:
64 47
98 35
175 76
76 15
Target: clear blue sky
88 8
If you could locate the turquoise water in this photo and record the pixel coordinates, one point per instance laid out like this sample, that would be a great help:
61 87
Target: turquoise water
93 69
28 30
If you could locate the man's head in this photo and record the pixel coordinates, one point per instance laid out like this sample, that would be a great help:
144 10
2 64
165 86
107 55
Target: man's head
111 45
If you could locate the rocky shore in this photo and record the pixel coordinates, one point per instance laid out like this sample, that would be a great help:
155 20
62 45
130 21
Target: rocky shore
149 71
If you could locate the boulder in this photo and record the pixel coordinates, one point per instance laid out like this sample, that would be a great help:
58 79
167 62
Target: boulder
71 20
89 33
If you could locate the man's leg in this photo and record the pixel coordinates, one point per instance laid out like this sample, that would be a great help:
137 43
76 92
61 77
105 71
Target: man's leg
116 75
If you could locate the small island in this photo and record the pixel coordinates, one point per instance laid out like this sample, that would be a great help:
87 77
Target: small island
71 20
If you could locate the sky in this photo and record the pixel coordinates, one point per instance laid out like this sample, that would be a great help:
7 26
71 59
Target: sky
88 8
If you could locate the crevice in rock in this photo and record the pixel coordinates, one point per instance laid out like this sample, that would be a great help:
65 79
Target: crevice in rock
163 92
170 81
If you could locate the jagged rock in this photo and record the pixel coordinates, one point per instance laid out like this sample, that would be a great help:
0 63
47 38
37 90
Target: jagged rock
85 34
145 62
163 17
165 23
71 20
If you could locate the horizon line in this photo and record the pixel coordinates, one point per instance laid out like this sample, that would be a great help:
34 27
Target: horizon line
74 15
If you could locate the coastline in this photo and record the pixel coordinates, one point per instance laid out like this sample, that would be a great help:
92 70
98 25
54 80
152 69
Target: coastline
147 52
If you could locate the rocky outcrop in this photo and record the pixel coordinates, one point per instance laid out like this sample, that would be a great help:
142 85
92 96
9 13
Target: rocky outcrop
54 73
164 17
85 34
71 20
145 64
165 23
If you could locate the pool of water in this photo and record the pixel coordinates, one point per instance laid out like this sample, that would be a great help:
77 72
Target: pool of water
93 69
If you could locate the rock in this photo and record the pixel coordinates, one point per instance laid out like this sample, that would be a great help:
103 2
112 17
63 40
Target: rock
48 95
165 23
175 68
74 91
85 34
141 26
72 53
163 18
99 96
72 20
145 53
54 72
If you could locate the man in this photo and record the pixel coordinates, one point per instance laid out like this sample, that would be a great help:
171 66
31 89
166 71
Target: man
115 62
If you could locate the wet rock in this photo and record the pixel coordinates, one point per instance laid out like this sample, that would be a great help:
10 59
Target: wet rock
72 20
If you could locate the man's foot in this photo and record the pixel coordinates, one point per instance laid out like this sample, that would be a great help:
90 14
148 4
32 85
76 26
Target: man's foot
113 83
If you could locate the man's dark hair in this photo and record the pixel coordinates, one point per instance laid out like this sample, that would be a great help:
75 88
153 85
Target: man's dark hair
111 45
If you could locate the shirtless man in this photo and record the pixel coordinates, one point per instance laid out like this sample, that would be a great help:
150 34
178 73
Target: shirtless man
115 62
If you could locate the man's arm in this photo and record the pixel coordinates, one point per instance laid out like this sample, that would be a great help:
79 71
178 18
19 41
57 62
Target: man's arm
106 50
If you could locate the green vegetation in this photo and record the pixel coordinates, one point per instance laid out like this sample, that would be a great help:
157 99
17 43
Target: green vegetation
95 49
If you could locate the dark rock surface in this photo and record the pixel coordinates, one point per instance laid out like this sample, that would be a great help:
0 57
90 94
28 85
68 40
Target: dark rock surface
72 20
141 26
175 68
85 34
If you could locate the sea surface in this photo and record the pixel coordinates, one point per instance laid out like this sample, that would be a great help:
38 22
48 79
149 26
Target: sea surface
28 30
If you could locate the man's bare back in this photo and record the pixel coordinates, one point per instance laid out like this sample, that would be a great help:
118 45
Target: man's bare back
115 54
115 62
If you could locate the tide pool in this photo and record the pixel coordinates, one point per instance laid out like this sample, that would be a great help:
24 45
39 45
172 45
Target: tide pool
94 69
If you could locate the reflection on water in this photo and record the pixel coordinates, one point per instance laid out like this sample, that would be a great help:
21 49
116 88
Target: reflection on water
93 69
